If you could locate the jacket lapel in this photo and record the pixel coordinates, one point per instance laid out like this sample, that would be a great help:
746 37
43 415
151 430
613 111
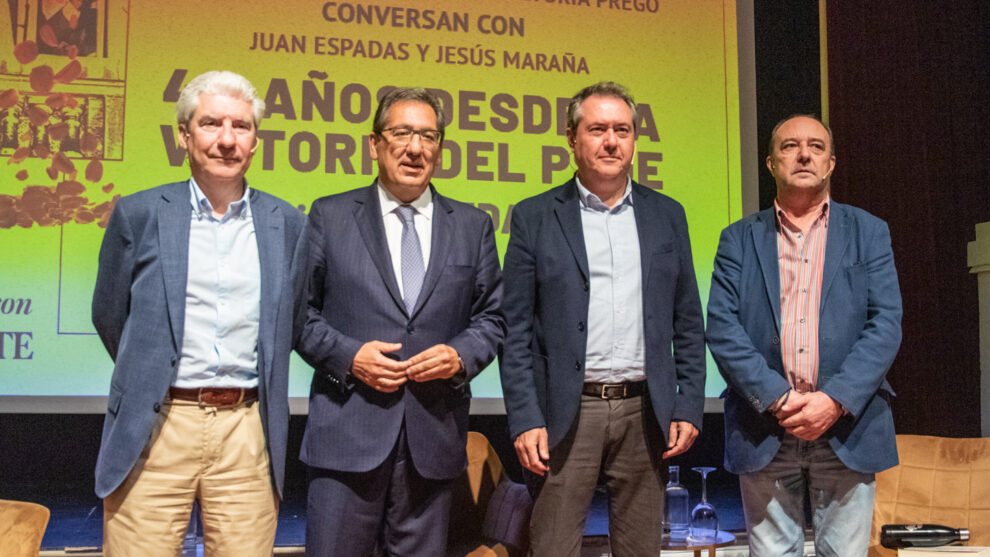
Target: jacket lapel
568 213
765 239
650 237
269 231
835 247
368 215
440 241
174 214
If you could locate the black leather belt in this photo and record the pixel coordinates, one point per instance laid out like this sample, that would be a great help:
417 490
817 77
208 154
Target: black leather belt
214 396
613 391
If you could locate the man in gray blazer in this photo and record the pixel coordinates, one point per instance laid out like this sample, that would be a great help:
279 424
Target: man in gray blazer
604 365
195 302
404 295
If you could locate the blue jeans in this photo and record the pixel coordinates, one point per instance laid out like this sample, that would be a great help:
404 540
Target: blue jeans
841 503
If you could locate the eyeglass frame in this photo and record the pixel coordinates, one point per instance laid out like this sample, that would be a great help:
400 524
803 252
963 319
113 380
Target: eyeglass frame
412 132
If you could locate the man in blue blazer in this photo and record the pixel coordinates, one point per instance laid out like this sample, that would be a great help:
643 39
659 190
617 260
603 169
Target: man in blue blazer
603 371
804 321
194 301
404 309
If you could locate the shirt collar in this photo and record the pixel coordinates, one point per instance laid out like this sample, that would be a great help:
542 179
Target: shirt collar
203 209
422 204
823 215
593 202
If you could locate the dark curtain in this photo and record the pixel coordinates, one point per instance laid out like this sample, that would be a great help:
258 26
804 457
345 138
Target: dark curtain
908 104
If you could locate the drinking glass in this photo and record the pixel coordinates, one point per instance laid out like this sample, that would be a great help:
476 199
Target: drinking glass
704 521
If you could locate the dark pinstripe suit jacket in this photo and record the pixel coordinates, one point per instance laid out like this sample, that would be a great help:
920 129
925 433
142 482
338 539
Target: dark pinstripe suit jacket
354 298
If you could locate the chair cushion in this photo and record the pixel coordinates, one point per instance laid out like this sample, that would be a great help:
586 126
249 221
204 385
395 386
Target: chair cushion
22 526
938 481
507 519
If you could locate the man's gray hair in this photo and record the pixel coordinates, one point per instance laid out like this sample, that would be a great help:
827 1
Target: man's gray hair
773 133
401 94
602 88
217 83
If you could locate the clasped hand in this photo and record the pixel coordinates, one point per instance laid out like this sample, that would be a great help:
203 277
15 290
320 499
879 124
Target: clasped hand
808 415
373 366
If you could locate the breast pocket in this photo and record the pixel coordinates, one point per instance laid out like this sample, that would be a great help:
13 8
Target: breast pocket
457 273
455 289
663 265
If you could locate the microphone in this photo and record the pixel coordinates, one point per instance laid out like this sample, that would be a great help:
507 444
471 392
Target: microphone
257 143
823 178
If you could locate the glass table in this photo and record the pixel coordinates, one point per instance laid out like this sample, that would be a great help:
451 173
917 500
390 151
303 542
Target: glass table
722 539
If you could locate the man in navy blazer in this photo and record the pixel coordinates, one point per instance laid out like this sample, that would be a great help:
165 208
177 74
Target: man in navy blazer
195 302
603 371
404 309
804 321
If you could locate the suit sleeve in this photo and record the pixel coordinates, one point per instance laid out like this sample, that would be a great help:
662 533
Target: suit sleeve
740 363
112 294
688 336
516 362
863 370
328 350
478 343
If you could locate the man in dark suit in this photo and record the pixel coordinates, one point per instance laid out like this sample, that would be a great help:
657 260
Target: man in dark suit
603 370
804 319
404 296
194 301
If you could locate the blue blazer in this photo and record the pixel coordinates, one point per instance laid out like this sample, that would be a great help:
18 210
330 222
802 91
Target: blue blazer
139 311
859 332
546 306
354 298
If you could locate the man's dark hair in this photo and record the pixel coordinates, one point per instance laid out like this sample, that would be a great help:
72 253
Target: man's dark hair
602 88
400 94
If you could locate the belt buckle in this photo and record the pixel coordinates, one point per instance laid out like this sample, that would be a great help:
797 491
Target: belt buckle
202 403
617 386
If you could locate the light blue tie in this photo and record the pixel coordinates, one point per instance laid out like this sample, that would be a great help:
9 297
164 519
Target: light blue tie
413 270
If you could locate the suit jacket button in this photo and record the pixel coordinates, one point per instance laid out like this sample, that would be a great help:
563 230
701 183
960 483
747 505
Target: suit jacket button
157 407
172 361
577 366
410 329
585 286
581 326
776 340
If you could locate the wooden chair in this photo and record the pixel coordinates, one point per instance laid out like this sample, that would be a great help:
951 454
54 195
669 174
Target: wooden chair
489 512
938 481
22 525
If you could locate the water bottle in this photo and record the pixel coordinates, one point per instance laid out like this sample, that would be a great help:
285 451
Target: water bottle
895 536
675 509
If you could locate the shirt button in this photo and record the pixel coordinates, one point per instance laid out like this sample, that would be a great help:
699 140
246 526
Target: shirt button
802 319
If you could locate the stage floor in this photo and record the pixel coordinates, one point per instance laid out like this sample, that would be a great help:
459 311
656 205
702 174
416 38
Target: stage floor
76 520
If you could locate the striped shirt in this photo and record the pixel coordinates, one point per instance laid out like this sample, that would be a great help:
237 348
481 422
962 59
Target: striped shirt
800 258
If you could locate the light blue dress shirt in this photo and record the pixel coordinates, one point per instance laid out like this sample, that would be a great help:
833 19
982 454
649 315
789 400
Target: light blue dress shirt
616 351
223 297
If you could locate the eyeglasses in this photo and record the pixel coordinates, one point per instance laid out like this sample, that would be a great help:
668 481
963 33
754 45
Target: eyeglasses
403 135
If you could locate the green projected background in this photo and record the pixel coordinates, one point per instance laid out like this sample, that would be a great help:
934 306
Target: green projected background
87 115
